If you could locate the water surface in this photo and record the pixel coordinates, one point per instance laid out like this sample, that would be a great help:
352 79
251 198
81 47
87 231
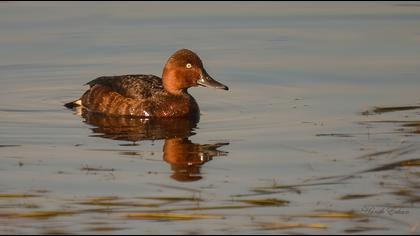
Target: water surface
295 145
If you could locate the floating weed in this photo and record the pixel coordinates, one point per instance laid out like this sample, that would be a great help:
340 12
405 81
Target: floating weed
341 135
228 207
412 193
391 166
359 229
356 196
403 192
177 187
265 191
266 202
295 186
380 110
276 188
415 162
118 204
105 228
38 214
21 205
173 199
258 192
387 121
106 210
408 126
115 201
17 195
102 199
171 216
56 232
412 124
281 226
87 168
414 199
331 214
4 146
397 151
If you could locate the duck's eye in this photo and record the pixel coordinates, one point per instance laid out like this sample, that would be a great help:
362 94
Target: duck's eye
188 65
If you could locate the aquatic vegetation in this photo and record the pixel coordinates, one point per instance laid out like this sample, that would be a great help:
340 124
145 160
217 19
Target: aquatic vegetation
336 135
38 214
266 202
17 195
288 225
105 229
360 229
174 199
356 196
118 204
391 166
395 152
380 110
88 168
170 216
331 214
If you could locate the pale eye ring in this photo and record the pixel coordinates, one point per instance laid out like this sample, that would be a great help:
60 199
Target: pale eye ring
188 65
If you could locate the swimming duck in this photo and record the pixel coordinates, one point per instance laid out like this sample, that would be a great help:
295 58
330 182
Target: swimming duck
148 95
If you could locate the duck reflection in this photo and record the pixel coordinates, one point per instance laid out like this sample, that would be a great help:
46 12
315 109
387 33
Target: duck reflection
184 156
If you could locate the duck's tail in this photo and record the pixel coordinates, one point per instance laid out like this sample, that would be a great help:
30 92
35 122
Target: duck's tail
73 104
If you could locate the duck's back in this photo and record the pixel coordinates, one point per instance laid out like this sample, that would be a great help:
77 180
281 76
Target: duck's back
131 86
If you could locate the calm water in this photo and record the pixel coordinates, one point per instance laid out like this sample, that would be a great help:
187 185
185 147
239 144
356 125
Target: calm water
286 150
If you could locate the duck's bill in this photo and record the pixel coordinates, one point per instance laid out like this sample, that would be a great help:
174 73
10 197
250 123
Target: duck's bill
207 81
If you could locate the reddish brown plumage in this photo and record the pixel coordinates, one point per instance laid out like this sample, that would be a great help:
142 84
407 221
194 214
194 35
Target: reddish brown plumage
148 95
102 99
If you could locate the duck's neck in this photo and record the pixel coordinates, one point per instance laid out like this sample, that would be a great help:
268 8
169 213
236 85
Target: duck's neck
172 85
175 91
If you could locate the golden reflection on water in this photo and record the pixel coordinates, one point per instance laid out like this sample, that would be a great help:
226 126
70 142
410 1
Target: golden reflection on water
184 156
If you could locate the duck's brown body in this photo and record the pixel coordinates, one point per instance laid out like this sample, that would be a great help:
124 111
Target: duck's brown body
149 95
137 95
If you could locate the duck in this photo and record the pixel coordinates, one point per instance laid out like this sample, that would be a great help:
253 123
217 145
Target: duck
149 96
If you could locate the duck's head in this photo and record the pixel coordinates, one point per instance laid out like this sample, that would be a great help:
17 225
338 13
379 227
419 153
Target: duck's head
183 70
